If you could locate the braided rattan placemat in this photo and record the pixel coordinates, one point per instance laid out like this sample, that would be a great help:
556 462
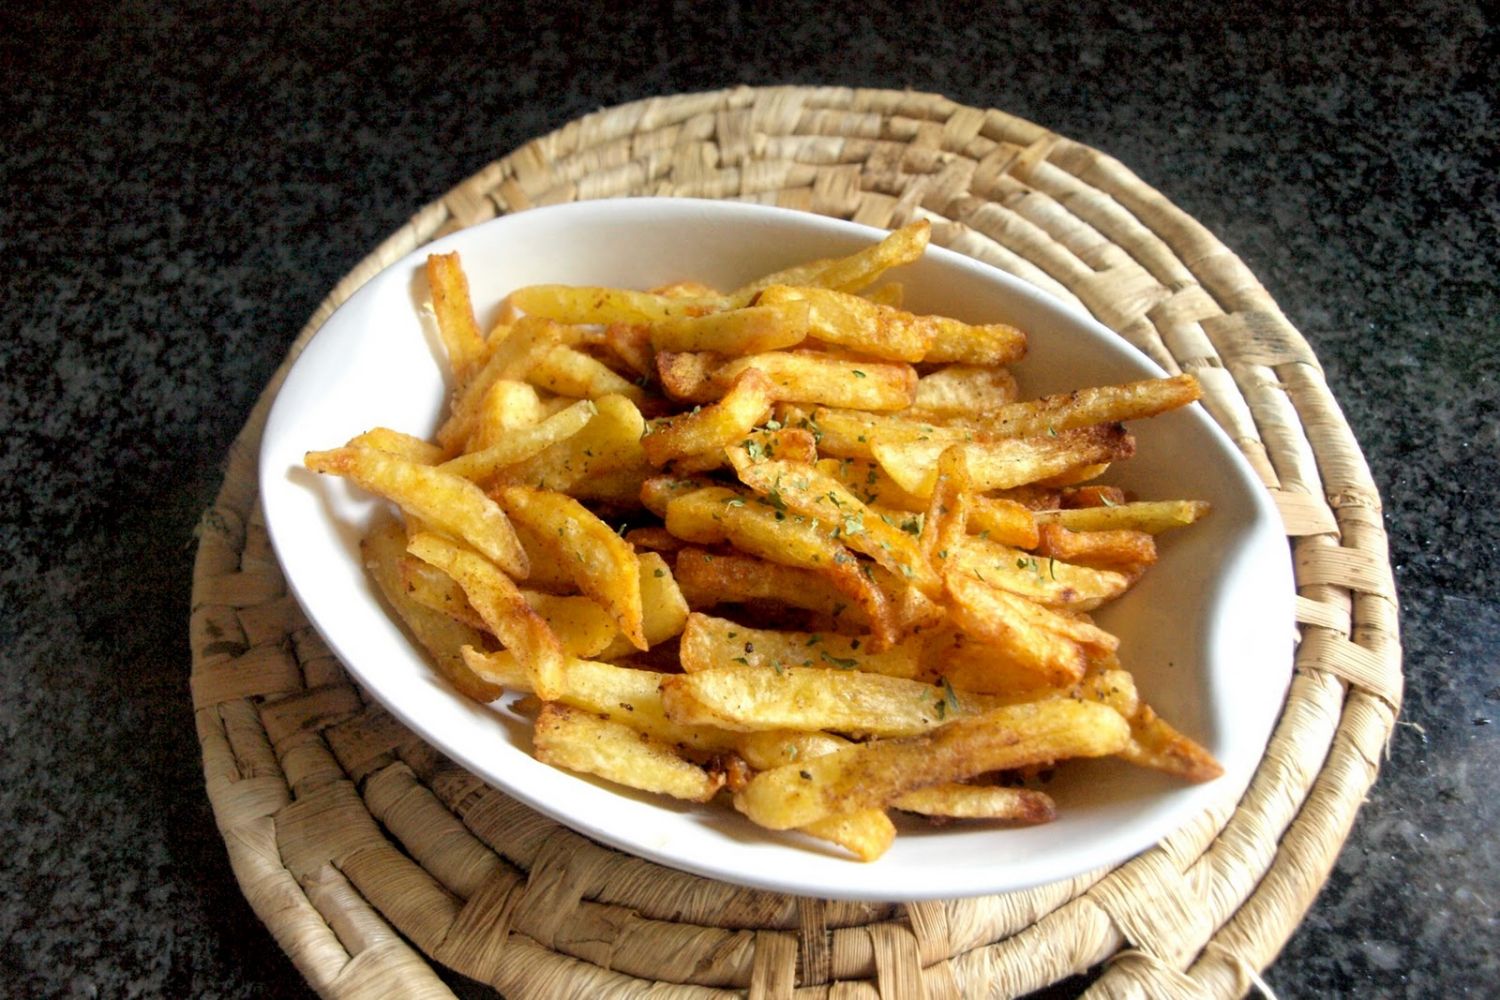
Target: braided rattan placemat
368 855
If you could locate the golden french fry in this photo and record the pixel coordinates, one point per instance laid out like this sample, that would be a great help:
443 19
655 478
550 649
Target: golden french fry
708 579
710 643
449 503
502 606
799 376
824 500
521 443
712 427
869 482
956 801
867 833
406 446
1150 516
852 273
570 372
1095 405
964 390
1006 462
623 694
664 611
747 698
1052 582
601 563
1003 521
432 588
762 327
583 304
792 444
455 315
1155 744
857 324
989 344
444 638
1025 633
609 443
512 354
1129 552
580 741
946 523
581 624
507 405
873 774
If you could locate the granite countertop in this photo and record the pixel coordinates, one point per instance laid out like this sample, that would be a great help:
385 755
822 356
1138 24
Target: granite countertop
181 190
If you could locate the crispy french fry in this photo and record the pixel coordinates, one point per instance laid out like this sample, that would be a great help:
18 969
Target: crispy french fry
570 372
956 801
1155 744
1023 632
664 611
507 405
873 774
820 497
582 304
609 443
762 327
624 694
601 563
511 358
521 443
1052 582
710 643
406 446
581 624
866 833
1099 405
1123 550
580 741
791 444
449 503
869 482
1150 516
432 588
748 698
455 315
714 426
857 324
852 273
442 636
708 579
1007 462
946 524
798 376
502 606
1003 521
964 390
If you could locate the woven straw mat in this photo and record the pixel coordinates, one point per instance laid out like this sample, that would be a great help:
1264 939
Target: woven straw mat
370 856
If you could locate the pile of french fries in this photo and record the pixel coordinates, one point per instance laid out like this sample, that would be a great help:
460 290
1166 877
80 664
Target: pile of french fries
789 545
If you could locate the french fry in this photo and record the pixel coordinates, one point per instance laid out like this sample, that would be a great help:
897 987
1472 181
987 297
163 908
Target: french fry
1025 633
1004 463
1123 550
873 774
993 802
503 608
449 503
748 698
857 324
570 372
708 579
1150 516
664 611
1097 405
989 344
455 315
624 694
946 524
1003 521
442 636
964 390
610 442
1052 582
511 358
432 588
406 446
714 426
710 643
762 327
798 376
583 304
869 482
507 405
600 562
579 741
815 495
1154 743
852 273
791 444
581 624
521 443
867 833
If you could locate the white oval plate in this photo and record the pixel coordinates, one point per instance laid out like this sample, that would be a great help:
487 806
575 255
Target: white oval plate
1208 633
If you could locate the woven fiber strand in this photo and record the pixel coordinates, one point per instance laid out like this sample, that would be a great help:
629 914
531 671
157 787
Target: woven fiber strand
370 856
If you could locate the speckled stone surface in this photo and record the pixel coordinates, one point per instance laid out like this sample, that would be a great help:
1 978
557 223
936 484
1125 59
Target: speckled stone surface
182 186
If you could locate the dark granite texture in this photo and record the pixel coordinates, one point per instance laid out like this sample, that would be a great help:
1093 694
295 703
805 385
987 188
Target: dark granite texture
183 183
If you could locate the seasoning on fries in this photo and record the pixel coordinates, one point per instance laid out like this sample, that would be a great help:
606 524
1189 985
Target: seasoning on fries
788 546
